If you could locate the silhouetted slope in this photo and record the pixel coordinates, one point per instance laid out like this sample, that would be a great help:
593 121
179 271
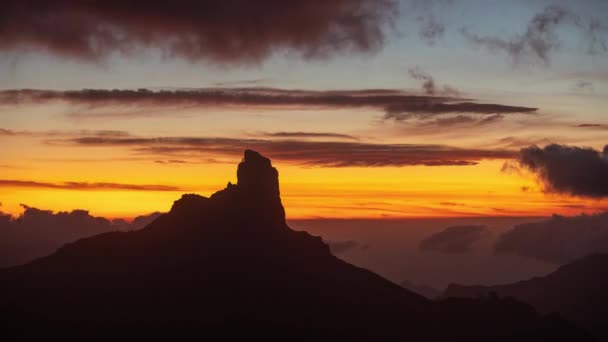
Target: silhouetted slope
423 290
578 291
229 265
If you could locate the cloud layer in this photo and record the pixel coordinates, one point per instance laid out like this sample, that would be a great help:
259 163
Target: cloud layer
568 169
302 152
37 233
309 135
227 31
395 104
455 239
13 183
557 240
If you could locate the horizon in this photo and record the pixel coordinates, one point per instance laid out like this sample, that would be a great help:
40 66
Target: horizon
377 123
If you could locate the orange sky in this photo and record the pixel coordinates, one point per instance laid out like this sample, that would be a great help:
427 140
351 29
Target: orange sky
307 192
399 124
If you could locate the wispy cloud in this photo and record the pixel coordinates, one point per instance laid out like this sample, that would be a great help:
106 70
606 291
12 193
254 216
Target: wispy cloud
395 104
541 39
593 126
309 135
302 152
60 133
13 183
428 83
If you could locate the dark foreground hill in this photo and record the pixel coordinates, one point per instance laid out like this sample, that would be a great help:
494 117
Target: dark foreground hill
229 265
578 291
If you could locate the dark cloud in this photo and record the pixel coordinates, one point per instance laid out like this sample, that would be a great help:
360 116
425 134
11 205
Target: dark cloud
345 246
401 114
541 38
12 183
226 31
302 152
456 239
593 126
309 135
428 83
557 240
396 104
37 233
568 169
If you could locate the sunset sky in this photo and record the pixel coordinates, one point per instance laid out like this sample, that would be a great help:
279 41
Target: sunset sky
368 109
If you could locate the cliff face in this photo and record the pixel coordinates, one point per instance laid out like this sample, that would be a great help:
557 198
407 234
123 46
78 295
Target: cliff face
229 265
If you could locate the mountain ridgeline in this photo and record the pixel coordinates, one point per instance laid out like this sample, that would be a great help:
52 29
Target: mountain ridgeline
229 265
577 290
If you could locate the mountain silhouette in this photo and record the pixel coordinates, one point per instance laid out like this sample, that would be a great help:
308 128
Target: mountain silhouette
229 266
577 291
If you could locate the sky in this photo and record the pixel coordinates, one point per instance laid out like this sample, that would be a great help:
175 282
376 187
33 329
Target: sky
368 109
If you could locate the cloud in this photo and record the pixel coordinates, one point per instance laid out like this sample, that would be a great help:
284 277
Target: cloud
583 86
37 233
54 133
309 135
594 126
171 161
541 38
557 240
302 152
568 169
428 18
520 142
428 83
395 104
339 247
240 83
430 29
453 240
4 131
452 122
12 183
232 31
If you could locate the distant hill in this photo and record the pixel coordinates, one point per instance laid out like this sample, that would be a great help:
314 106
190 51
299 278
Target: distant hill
228 266
577 291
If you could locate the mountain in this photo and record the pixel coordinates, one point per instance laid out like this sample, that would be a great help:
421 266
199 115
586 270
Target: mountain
422 289
578 291
228 266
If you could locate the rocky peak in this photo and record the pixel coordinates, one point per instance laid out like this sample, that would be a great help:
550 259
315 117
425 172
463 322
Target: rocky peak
254 201
258 189
256 175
